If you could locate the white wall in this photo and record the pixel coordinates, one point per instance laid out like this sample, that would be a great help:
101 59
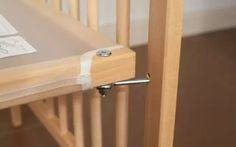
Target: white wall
200 16
198 5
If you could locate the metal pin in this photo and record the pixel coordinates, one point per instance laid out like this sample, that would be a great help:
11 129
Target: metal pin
105 89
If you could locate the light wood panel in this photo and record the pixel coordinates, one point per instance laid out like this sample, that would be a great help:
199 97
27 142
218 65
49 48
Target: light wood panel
163 65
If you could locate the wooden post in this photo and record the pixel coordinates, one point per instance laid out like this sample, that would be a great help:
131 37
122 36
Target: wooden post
16 117
78 119
96 119
122 37
163 65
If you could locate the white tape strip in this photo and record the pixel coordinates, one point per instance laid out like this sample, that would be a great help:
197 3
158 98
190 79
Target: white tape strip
86 65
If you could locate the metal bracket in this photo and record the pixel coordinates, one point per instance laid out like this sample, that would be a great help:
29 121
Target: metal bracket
105 89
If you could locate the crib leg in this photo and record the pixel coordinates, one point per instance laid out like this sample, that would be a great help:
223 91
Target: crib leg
122 116
16 117
78 119
96 119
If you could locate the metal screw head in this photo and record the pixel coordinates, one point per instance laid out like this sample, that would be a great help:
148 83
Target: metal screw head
104 53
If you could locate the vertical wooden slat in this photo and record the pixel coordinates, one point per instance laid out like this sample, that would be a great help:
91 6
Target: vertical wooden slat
93 14
122 37
122 116
62 110
51 107
95 98
74 8
78 119
57 4
16 117
163 65
123 22
96 119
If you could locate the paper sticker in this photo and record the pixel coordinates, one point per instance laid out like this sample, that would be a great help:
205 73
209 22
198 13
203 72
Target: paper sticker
15 45
6 28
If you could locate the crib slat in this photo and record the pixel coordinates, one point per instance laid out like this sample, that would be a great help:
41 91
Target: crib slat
122 116
95 101
51 107
123 22
96 119
122 37
57 4
78 119
93 14
62 110
16 117
74 9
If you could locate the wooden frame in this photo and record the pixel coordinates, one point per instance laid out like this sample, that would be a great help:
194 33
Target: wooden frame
163 65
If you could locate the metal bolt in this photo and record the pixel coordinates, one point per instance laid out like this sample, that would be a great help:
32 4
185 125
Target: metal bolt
104 53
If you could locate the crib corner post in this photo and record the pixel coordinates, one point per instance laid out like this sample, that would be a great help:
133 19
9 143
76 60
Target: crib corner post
165 32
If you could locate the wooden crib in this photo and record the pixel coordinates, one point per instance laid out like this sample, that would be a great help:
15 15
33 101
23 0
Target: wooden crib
66 48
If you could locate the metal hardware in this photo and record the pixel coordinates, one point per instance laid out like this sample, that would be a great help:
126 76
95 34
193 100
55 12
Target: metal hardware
104 53
105 89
